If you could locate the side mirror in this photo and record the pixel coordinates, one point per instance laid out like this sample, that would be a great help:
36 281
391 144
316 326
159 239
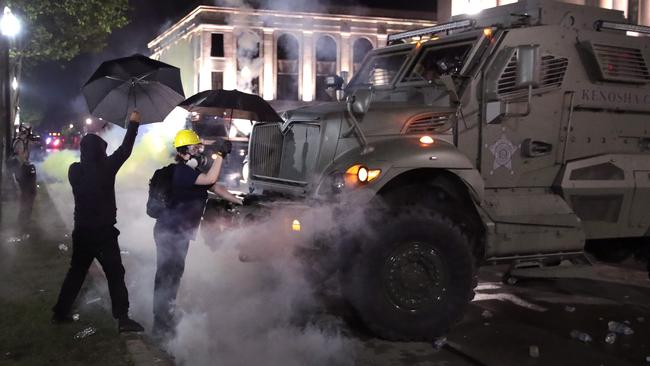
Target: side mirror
359 102
514 68
528 67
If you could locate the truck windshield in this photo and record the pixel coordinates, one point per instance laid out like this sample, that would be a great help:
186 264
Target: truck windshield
434 62
380 69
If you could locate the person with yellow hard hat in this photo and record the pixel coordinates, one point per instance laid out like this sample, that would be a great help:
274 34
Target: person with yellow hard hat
177 225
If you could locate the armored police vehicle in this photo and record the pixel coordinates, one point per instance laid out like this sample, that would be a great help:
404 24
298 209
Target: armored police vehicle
519 134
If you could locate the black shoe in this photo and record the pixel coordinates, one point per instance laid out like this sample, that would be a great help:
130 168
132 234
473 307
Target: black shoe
129 325
61 319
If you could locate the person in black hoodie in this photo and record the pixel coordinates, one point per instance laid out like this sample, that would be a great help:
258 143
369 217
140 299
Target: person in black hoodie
94 235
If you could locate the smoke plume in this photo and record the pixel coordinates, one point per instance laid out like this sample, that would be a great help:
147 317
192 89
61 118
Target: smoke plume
231 313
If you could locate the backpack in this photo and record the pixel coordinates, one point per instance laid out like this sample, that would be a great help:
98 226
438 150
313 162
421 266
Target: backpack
160 187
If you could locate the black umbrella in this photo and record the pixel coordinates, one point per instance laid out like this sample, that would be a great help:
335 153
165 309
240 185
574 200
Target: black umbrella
231 104
136 82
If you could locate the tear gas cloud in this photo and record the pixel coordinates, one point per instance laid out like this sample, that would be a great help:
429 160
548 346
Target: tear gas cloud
231 313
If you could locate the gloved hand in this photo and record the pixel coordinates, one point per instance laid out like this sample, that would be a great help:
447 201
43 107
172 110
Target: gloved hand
250 200
222 147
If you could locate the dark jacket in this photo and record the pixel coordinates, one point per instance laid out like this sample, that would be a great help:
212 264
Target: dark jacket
93 179
187 203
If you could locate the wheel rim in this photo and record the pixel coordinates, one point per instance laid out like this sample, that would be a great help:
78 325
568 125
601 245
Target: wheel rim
413 277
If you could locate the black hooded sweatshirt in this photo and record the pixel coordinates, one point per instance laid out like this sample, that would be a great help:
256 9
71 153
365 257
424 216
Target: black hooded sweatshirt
93 180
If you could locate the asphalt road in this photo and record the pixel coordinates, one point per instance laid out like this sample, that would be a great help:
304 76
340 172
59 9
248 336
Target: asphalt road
530 323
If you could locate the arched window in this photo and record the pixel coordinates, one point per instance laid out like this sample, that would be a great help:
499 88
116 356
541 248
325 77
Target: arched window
287 51
360 49
249 62
326 53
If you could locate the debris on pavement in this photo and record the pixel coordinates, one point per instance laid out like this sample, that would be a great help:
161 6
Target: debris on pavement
439 343
92 301
533 351
75 317
486 314
85 333
14 239
610 338
619 328
569 308
63 247
581 336
124 252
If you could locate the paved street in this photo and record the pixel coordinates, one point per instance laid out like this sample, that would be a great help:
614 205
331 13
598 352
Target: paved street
529 323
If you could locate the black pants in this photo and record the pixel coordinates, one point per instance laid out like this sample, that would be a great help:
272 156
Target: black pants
26 177
100 244
171 250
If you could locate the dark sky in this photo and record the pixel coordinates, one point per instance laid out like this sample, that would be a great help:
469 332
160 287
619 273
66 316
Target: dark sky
56 85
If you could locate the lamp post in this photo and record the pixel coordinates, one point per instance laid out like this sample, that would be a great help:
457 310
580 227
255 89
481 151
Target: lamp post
9 27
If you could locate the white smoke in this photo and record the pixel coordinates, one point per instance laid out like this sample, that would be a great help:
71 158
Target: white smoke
231 313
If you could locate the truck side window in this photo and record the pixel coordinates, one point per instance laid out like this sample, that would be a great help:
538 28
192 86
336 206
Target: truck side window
436 62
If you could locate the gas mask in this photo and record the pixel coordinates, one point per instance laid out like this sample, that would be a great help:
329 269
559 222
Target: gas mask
196 156
194 161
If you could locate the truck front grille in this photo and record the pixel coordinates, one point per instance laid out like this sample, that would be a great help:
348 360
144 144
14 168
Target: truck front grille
286 156
266 150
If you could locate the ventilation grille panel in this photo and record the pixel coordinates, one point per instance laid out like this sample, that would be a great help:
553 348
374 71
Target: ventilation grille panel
428 124
623 64
552 75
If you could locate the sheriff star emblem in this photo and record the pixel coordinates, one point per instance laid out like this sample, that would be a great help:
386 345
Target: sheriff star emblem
503 151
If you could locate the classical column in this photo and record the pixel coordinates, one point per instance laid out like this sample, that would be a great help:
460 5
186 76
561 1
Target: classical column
268 76
230 72
644 12
620 5
346 47
308 74
607 4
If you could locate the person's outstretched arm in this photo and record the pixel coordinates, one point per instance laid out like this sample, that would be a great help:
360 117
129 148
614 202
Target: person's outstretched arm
222 192
124 151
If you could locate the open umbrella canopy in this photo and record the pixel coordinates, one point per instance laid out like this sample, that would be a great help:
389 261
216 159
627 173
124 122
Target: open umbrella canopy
122 85
231 104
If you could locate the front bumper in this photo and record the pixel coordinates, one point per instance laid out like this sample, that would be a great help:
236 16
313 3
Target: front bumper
265 230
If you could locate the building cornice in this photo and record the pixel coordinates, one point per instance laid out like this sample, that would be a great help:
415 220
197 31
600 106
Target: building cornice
186 21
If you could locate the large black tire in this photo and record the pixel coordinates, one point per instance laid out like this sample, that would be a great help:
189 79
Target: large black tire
413 279
609 250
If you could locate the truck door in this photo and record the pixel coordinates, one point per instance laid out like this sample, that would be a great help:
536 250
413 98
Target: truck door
523 113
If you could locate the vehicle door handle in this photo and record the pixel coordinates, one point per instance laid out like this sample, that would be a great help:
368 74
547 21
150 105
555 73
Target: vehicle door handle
533 148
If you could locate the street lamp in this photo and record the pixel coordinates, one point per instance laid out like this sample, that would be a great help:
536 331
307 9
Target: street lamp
9 24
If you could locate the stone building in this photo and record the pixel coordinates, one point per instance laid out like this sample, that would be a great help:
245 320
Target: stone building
276 54
286 55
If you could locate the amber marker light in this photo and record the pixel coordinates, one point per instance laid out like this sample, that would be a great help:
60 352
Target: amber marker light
426 140
295 225
360 174
487 32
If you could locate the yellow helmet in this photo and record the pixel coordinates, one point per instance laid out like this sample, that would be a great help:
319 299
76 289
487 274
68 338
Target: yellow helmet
185 138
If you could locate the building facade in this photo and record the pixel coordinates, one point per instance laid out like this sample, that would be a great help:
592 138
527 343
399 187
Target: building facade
286 56
278 55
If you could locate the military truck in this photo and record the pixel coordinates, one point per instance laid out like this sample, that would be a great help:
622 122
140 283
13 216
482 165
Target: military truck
518 135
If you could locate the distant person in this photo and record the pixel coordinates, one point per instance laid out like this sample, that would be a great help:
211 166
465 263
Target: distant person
24 174
178 224
94 235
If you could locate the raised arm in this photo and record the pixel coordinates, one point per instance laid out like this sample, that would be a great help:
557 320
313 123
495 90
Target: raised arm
124 151
209 178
